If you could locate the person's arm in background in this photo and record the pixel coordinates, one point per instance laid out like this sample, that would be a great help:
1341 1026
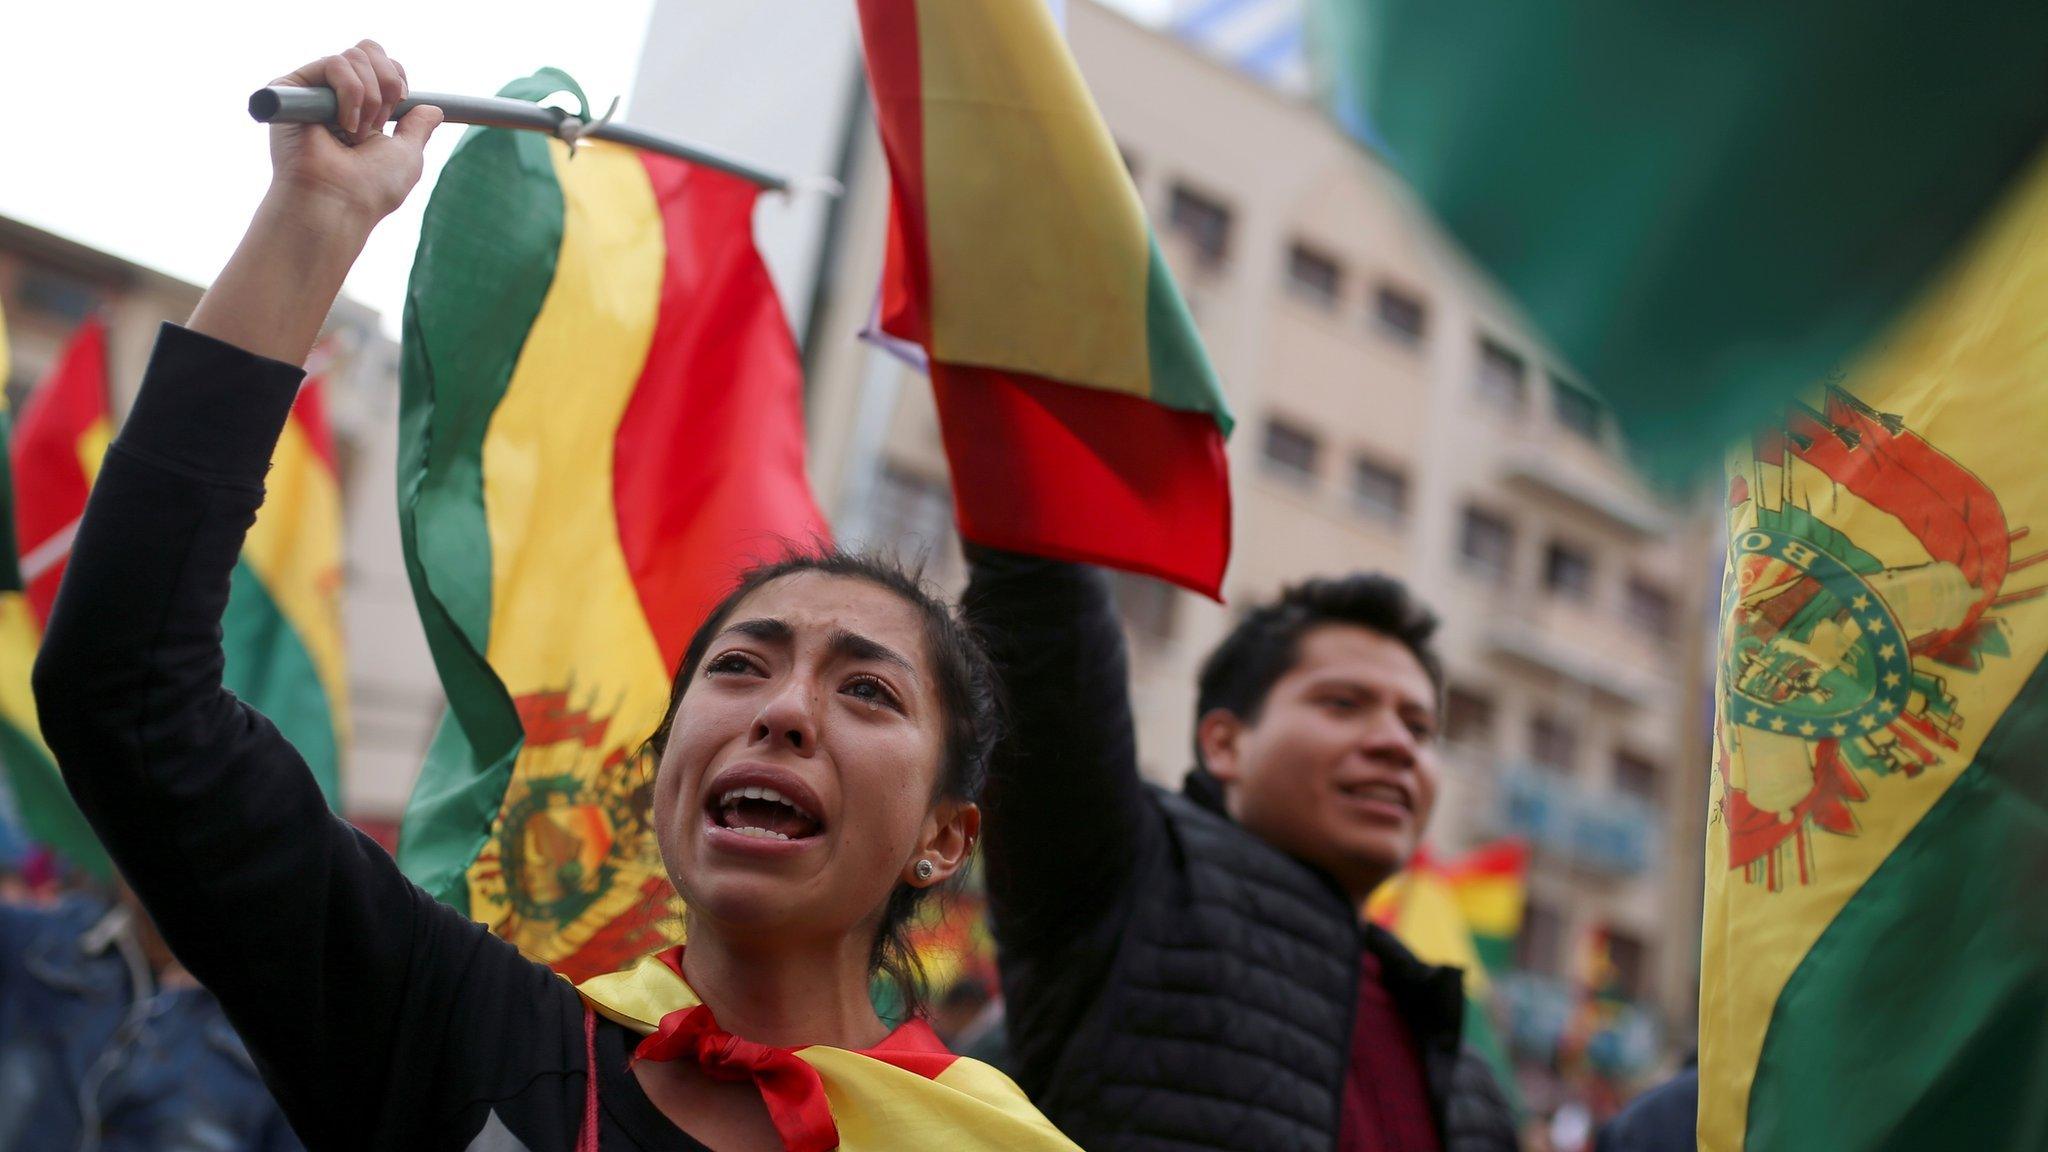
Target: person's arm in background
1067 812
301 926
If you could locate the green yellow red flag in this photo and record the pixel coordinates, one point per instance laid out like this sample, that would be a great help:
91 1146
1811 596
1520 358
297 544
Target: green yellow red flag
601 429
1080 416
282 630
1874 973
54 454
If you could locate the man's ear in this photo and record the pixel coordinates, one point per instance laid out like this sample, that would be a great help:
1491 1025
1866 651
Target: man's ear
1218 734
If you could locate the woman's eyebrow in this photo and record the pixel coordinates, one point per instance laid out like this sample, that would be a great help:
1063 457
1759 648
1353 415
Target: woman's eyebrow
853 645
766 629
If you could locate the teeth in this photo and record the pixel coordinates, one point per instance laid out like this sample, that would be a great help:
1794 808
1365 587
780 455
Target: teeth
728 799
759 833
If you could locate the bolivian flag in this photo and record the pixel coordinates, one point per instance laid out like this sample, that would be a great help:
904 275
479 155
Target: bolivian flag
1079 412
55 451
601 429
1710 211
282 631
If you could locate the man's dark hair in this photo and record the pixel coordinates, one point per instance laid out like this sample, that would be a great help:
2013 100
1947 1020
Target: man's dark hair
1239 675
968 694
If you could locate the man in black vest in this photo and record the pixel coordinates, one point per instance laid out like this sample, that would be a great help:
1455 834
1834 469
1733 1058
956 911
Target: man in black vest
1189 970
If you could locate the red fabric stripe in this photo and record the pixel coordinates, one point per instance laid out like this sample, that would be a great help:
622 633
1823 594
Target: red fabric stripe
1086 475
709 468
889 30
310 411
50 485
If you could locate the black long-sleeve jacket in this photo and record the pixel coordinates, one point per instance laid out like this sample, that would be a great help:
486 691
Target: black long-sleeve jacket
1173 982
379 1017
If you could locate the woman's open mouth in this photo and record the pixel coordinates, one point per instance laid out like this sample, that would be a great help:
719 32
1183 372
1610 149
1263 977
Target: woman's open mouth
763 813
762 808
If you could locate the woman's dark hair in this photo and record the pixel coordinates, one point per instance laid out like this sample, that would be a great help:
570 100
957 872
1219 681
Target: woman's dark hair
968 696
1266 644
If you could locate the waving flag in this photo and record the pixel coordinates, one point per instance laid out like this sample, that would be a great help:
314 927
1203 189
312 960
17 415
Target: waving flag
1079 412
1875 964
1706 209
282 631
602 429
55 452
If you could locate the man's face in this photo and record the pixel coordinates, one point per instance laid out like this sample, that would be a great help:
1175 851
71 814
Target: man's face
1340 768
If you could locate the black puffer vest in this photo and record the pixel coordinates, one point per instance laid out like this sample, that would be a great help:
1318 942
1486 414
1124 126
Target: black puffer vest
1226 1016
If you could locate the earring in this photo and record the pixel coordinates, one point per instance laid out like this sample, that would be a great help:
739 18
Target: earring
926 870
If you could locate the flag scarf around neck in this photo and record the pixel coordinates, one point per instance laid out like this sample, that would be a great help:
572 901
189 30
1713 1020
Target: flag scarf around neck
1705 209
907 1094
1874 972
1080 416
282 633
55 453
601 430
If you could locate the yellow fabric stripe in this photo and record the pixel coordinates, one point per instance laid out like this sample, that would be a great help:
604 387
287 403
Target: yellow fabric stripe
970 1108
564 611
1429 920
1492 904
1039 246
295 549
92 447
1966 372
19 639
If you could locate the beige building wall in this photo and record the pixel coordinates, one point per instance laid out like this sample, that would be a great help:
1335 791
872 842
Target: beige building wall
1541 659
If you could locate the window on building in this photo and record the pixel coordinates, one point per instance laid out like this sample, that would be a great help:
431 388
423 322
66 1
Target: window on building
1541 939
1553 744
1649 608
1149 606
1379 491
1202 221
1290 451
1568 571
1486 545
1468 716
1635 775
1578 411
1401 315
1629 958
1314 276
1503 377
55 294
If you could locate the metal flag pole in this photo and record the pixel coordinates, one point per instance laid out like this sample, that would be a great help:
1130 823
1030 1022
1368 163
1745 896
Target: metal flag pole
280 105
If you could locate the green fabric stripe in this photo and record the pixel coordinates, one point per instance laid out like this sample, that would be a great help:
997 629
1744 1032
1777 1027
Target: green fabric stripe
1919 1019
269 667
486 257
48 815
1705 208
1181 375
1482 1037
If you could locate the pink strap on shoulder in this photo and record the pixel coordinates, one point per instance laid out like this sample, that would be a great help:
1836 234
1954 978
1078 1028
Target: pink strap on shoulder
586 1141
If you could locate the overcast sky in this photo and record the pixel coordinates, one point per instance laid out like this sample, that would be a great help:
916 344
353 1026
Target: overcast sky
131 134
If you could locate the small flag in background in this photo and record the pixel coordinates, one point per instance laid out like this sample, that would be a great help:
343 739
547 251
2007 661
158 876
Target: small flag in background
1465 913
602 428
55 451
282 633
1080 415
